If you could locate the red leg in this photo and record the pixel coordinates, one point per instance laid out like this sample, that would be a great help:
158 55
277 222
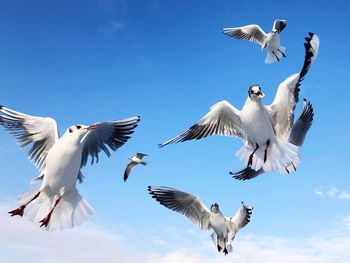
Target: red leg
250 160
265 153
46 220
20 211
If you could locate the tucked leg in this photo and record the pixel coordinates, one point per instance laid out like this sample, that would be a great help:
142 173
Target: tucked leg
284 55
217 242
225 249
265 153
46 220
273 52
250 160
20 211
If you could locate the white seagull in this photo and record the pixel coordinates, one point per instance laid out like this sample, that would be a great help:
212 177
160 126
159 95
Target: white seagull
56 203
296 137
271 40
135 160
225 228
263 129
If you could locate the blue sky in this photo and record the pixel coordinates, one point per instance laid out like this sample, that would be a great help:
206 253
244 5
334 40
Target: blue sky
168 61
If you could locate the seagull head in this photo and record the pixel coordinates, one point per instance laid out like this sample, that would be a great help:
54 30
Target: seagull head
79 130
214 208
255 93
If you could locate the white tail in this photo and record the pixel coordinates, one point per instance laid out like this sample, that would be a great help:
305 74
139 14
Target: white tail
71 211
271 58
279 155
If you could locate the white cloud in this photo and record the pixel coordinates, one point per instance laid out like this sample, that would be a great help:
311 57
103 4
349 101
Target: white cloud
333 193
22 241
111 28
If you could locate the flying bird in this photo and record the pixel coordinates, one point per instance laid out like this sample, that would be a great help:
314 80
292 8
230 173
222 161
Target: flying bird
225 228
56 203
263 129
271 40
296 137
135 160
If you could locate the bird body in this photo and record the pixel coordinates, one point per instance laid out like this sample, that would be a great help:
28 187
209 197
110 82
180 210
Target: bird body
270 40
225 228
264 129
135 160
56 203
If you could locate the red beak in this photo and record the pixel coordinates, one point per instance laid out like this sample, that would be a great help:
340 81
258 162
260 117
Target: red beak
92 127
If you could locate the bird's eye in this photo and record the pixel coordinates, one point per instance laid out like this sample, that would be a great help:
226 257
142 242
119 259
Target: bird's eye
70 130
251 92
78 127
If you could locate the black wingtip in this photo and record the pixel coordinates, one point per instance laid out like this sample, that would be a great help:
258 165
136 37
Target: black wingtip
311 34
304 100
1 106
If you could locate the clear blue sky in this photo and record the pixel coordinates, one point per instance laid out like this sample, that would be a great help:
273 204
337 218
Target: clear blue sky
168 61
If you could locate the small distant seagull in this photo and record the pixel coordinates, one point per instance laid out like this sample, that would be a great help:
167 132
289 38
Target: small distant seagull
56 203
263 129
271 40
135 160
296 137
225 228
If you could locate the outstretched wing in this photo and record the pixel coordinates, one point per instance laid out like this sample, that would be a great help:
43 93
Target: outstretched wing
110 133
279 25
222 119
282 108
250 32
140 155
296 137
240 219
41 132
128 170
183 203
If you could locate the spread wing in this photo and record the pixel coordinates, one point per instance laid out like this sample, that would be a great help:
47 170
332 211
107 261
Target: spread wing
41 132
128 170
296 137
140 155
183 203
279 25
250 32
222 119
282 108
240 219
110 133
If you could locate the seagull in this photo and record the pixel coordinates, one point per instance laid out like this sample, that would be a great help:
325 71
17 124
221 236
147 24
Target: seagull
296 137
135 160
271 40
56 203
225 228
263 129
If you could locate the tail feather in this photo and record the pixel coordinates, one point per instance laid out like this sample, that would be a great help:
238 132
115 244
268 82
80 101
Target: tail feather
279 155
71 211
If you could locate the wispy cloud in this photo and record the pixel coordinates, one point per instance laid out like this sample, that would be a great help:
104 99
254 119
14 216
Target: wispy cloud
21 241
111 28
333 193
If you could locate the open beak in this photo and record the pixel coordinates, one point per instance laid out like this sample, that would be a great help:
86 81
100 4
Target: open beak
260 94
92 127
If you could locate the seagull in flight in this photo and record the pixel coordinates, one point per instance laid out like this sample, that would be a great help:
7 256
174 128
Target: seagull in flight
135 160
56 203
296 137
263 129
271 40
225 228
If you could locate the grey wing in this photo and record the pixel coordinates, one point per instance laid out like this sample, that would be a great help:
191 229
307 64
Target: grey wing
41 132
140 155
112 134
222 119
240 219
128 170
302 125
279 25
281 110
247 174
183 203
250 32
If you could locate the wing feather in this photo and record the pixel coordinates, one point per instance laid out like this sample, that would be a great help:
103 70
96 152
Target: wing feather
250 32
